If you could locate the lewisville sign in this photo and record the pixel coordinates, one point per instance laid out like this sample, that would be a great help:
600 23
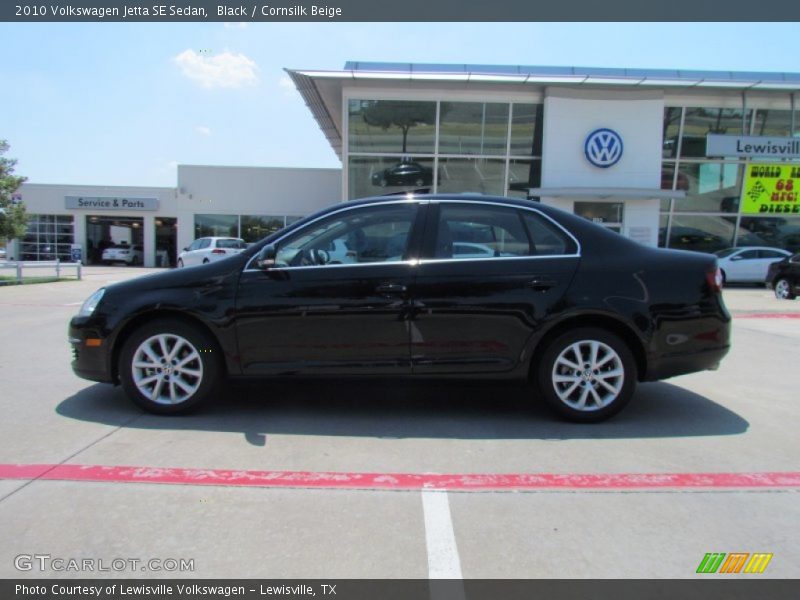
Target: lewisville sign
751 146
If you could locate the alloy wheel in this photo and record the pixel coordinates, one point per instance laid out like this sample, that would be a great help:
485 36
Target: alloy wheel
782 289
167 369
588 375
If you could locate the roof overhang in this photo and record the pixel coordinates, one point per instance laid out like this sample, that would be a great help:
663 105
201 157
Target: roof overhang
322 89
606 193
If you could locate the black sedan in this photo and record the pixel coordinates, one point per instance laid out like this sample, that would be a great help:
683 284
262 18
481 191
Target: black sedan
578 311
404 174
784 277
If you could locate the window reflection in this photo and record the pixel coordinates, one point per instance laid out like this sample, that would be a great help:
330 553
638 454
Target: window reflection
776 123
473 128
701 233
699 122
371 176
216 226
523 175
391 126
672 123
254 228
710 187
526 130
483 175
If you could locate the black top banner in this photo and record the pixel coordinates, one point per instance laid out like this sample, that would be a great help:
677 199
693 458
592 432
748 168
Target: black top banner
398 11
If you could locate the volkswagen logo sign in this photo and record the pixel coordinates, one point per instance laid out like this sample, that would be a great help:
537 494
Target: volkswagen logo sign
603 148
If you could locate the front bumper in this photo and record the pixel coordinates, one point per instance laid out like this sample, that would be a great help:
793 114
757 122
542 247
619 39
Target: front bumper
90 358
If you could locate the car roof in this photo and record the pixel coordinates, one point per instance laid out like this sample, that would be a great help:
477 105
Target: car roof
464 197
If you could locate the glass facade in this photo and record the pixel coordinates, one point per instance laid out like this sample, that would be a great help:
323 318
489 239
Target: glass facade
250 228
49 237
396 146
709 217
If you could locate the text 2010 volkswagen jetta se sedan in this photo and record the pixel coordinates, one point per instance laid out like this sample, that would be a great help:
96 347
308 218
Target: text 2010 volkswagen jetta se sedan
581 312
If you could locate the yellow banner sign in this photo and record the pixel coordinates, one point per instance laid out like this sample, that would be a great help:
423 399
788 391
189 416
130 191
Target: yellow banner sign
771 188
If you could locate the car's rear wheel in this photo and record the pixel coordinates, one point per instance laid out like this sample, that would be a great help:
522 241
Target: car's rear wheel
783 290
180 263
587 374
205 261
169 367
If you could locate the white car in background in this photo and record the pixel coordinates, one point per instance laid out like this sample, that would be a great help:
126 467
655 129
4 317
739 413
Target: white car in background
130 255
209 249
748 264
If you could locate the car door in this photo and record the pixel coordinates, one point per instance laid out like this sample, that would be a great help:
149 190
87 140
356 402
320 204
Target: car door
190 255
745 266
475 314
309 315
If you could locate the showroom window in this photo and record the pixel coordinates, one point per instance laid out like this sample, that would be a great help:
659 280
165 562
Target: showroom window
710 217
49 237
216 226
392 126
397 146
250 228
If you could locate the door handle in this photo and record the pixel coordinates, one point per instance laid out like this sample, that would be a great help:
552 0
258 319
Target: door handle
390 288
542 284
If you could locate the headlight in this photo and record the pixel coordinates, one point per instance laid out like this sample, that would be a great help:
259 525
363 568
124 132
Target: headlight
91 303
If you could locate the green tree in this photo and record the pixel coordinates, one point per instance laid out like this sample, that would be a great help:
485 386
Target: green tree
13 218
399 113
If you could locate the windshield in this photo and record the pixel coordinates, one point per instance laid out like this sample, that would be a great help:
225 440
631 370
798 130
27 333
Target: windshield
724 253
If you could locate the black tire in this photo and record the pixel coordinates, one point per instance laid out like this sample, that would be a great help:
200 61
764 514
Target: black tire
205 261
588 379
180 263
783 289
208 357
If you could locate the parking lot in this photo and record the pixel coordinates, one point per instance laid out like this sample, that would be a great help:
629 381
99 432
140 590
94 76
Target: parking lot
741 419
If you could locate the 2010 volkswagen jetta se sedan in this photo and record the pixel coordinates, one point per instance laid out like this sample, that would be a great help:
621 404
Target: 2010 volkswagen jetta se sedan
578 311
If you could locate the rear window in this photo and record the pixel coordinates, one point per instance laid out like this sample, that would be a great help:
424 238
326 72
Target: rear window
238 244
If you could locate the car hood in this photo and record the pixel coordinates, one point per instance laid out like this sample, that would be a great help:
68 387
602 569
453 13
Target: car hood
211 274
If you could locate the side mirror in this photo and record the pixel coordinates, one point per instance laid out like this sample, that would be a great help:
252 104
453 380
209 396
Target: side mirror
739 257
266 257
186 249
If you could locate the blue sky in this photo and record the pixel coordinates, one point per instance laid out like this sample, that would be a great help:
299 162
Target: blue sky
122 104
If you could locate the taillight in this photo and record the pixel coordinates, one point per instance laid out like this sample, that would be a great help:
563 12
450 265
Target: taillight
218 251
714 279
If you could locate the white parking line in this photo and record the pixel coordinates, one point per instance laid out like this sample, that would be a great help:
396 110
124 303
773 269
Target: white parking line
443 561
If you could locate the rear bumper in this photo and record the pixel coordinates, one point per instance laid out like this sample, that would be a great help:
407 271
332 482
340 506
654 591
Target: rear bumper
681 364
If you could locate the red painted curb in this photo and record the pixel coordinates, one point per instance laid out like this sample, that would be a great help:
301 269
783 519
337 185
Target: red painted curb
399 481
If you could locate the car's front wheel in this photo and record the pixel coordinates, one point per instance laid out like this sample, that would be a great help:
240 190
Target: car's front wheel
783 290
169 366
587 374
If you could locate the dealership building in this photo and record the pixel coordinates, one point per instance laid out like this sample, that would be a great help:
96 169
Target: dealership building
699 160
